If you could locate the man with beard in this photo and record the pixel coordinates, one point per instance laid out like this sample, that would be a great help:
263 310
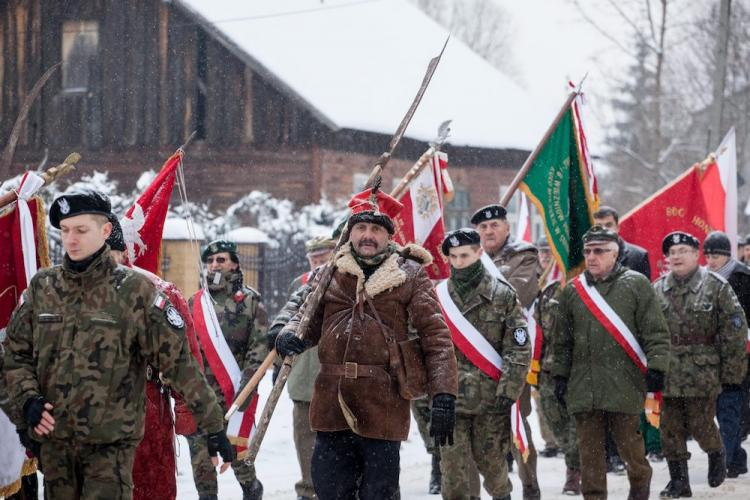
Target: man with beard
242 324
733 399
370 365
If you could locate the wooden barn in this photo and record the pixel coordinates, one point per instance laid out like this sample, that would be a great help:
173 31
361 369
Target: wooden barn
296 98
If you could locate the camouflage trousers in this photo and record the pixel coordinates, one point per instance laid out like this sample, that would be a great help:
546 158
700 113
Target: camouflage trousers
304 443
592 426
74 470
527 469
683 417
560 421
486 438
545 427
204 473
421 410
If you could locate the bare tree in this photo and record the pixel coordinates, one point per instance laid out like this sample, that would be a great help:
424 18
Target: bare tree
483 25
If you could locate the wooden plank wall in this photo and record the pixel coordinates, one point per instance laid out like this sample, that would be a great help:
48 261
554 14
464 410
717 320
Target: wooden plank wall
158 77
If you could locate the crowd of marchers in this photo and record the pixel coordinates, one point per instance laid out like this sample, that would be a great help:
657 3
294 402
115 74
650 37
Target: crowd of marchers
624 370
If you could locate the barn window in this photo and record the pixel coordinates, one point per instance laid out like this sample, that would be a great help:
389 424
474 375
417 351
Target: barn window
80 41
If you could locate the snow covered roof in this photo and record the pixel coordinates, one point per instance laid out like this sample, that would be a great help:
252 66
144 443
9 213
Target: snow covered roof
247 235
357 64
177 229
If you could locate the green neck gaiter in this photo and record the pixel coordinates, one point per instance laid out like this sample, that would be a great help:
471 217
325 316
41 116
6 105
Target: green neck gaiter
369 264
465 280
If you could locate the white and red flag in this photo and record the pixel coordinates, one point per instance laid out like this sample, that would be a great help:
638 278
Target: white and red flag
719 187
143 223
421 220
523 227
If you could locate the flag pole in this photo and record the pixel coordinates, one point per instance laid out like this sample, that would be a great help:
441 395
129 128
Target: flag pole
535 153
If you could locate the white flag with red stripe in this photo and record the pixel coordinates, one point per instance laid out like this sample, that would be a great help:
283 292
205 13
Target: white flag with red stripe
226 370
719 187
523 228
421 220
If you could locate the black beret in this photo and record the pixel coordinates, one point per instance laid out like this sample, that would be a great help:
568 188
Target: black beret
219 246
84 201
599 233
679 238
459 238
717 243
488 213
116 240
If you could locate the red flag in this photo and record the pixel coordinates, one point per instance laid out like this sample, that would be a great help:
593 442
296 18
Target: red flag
678 206
421 220
143 223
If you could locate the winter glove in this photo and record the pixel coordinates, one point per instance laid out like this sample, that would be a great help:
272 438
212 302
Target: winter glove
218 443
731 387
33 409
272 334
443 419
30 444
288 344
561 388
505 404
654 380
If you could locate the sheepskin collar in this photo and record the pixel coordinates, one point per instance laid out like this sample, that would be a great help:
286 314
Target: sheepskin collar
388 275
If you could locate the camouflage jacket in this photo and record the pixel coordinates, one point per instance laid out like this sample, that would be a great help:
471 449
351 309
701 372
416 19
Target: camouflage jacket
243 323
82 341
306 365
518 262
545 313
493 309
708 329
601 376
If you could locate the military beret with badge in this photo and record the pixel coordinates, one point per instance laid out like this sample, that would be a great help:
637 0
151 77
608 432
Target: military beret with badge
219 246
319 245
488 213
83 201
459 238
679 238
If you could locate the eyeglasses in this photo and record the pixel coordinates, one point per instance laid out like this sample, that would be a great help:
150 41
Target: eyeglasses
596 251
219 260
680 251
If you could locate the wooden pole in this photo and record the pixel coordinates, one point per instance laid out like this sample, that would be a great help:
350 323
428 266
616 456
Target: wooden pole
49 176
534 154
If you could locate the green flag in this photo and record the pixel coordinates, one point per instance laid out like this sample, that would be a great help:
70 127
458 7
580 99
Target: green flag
560 183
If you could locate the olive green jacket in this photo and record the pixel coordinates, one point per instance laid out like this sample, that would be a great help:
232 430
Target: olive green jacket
494 310
601 376
82 340
708 332
518 262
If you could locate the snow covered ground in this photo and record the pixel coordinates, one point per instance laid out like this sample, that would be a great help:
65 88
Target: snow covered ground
278 470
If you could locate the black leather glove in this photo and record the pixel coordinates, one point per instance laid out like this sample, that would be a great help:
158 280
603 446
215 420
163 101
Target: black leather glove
33 409
443 419
731 387
505 404
288 344
561 389
218 443
272 334
654 380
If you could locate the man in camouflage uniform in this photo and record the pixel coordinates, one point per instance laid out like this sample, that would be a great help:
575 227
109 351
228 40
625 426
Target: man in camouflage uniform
483 405
517 261
76 359
556 414
242 319
306 366
708 330
595 378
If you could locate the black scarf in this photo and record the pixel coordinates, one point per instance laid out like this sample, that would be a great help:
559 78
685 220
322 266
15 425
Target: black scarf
79 266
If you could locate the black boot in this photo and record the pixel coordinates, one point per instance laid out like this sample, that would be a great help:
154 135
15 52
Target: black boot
679 482
252 491
208 497
717 468
506 497
435 476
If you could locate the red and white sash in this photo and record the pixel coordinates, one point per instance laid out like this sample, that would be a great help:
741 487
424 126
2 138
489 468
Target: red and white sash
467 338
305 278
481 354
225 368
611 322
